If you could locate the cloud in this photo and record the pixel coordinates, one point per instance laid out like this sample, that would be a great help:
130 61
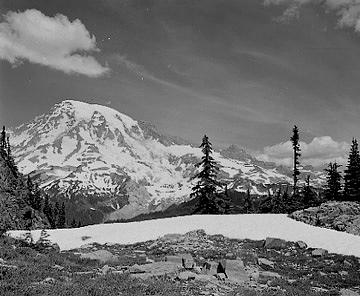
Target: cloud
55 42
348 11
320 151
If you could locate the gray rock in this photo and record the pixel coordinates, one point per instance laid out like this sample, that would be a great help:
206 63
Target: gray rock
221 276
186 275
265 276
106 269
210 268
274 243
174 259
347 292
319 252
103 256
301 245
187 261
235 271
266 262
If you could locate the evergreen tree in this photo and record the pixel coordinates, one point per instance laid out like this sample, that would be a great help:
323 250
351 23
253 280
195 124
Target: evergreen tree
206 187
3 140
309 198
333 182
352 174
248 205
62 218
48 211
73 223
296 150
56 214
277 205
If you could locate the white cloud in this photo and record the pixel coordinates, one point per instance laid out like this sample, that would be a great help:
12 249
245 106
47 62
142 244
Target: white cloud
320 151
55 42
348 11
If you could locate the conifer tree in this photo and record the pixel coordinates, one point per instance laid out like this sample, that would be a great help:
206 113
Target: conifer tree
248 206
62 218
309 198
333 182
206 187
48 211
3 140
296 150
73 223
352 174
278 205
56 213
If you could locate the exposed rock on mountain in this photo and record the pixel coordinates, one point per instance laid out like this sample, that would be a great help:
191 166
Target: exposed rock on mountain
111 166
342 216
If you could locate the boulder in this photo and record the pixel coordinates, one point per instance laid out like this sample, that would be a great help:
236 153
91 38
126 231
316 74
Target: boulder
230 256
155 269
174 259
221 276
265 276
274 243
172 237
210 268
266 262
186 275
319 252
105 269
187 261
103 256
301 245
235 271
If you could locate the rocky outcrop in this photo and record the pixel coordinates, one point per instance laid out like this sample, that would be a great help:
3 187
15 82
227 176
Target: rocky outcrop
341 216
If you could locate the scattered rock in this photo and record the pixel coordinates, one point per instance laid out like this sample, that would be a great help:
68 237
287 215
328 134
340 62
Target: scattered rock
187 261
235 271
174 259
155 269
210 268
301 245
265 262
106 269
172 237
319 252
265 276
341 216
221 276
186 275
230 256
103 256
347 292
274 243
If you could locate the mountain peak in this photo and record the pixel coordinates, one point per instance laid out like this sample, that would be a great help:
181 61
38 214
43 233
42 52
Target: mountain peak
236 152
88 111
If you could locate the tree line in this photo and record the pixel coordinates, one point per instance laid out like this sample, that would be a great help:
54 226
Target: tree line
22 203
214 198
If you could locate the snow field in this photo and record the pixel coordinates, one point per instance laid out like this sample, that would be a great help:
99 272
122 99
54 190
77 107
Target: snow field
251 226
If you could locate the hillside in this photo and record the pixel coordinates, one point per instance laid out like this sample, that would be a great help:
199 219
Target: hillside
108 166
341 216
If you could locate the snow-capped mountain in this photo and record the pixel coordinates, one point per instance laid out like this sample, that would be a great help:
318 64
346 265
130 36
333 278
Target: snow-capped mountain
112 166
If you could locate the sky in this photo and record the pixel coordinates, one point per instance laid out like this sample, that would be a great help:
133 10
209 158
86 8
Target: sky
242 71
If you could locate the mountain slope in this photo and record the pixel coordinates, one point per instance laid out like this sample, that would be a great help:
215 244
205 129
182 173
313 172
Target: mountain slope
111 166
